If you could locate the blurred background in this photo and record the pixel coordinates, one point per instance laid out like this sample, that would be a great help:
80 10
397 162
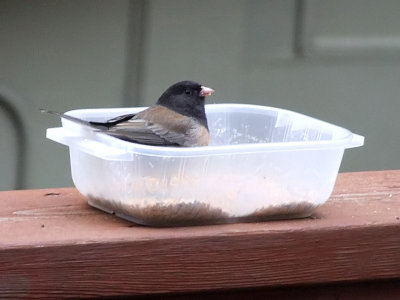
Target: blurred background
338 61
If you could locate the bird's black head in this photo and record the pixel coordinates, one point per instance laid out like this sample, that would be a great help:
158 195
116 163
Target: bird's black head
187 98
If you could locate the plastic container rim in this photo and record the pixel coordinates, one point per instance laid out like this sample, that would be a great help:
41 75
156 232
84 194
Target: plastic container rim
348 140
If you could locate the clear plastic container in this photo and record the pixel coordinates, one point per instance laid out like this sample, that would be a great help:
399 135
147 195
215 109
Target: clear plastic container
262 163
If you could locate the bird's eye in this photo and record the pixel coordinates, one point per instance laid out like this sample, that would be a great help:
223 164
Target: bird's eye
188 92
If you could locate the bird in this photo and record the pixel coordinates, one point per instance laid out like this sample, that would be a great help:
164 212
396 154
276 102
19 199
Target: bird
177 119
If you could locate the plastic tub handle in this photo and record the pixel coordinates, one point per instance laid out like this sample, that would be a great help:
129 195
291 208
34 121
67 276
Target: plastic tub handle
89 146
356 141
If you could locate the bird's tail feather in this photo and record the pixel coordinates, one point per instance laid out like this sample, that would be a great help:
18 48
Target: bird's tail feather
71 118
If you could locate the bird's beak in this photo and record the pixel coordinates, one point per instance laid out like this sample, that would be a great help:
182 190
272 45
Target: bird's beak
206 91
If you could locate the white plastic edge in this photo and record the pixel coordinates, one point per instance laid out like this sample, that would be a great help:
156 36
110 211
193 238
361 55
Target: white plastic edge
90 146
356 141
99 149
100 144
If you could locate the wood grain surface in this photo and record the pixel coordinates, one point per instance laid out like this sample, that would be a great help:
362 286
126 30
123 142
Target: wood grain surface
52 244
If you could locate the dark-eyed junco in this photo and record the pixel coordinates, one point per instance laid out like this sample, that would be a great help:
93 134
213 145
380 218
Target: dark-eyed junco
177 119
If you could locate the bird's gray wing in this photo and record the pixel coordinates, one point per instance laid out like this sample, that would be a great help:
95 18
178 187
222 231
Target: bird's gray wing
143 132
156 125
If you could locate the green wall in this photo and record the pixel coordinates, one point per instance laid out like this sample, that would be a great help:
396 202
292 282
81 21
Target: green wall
335 60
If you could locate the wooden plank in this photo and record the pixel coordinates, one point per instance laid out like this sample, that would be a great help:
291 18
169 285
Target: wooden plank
53 244
369 290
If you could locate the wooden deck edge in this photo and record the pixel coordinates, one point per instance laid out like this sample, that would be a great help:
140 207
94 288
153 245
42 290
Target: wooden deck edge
81 252
203 263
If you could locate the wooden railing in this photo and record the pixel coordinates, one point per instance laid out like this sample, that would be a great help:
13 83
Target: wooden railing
52 244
